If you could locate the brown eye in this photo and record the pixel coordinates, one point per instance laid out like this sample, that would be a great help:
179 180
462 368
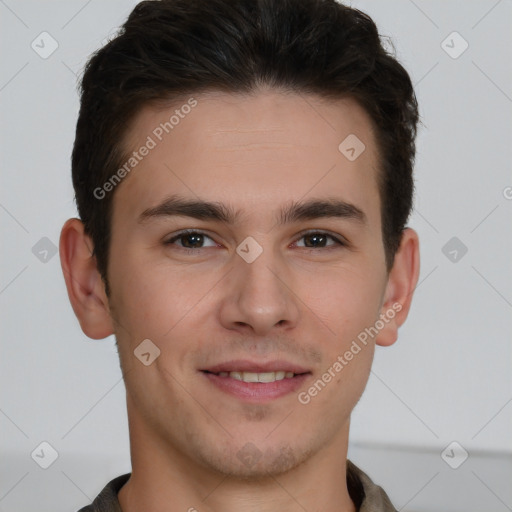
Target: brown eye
315 240
190 240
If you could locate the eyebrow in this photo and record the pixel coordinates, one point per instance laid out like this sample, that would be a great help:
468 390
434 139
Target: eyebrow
293 212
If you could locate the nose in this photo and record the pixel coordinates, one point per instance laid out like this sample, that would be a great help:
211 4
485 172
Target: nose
258 297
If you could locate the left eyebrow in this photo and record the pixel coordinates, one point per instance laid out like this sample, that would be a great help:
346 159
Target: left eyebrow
293 212
321 208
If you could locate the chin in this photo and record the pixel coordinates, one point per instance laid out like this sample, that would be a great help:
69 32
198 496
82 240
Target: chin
252 462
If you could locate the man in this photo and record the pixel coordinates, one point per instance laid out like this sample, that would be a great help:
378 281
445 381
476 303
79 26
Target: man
243 176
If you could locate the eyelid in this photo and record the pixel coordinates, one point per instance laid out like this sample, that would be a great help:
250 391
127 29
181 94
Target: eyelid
339 239
177 235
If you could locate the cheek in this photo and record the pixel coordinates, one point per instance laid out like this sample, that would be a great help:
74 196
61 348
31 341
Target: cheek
156 304
346 299
152 299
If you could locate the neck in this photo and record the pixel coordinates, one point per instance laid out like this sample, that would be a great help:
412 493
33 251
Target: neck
166 479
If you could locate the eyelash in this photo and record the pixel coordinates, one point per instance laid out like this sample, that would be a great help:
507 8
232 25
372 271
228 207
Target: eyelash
339 241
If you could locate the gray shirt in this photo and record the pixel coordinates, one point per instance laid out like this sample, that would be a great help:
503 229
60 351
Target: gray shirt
366 496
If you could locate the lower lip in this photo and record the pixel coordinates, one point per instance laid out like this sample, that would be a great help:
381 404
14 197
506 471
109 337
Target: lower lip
257 391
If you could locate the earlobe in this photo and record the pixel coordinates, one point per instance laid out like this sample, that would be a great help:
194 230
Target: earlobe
85 287
402 281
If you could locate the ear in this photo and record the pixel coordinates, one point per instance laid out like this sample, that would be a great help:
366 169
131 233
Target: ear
402 281
86 289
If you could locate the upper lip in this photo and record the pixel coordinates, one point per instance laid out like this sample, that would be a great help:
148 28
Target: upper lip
244 365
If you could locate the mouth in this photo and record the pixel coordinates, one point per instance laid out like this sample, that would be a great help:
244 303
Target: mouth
256 382
263 377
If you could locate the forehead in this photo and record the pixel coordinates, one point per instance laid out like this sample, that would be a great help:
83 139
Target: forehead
253 152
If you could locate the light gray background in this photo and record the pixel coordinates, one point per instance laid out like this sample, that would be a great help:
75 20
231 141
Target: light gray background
448 377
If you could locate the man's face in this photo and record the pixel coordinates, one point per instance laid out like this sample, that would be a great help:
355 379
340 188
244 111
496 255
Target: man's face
301 302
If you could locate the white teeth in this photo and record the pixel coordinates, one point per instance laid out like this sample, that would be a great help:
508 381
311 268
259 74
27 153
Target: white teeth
258 377
250 377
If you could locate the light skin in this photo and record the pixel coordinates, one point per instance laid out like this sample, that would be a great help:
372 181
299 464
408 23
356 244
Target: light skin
304 299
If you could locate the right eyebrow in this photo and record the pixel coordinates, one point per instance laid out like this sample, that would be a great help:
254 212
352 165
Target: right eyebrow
197 209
